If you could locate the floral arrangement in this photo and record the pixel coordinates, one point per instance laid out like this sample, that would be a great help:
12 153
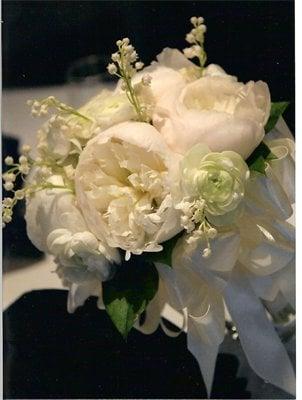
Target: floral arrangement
173 188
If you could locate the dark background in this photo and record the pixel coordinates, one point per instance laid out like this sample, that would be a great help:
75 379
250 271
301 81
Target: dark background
48 353
250 39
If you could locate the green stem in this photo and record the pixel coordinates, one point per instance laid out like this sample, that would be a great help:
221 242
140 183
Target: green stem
130 91
70 110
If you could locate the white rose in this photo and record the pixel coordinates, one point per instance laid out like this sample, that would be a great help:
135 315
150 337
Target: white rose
216 110
123 188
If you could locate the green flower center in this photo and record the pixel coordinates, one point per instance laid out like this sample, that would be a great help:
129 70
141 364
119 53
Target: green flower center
215 185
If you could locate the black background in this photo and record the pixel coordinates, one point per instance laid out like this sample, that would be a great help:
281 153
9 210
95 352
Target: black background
47 353
250 39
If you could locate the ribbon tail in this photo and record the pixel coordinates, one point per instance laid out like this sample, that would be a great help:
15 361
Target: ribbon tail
153 313
205 335
260 342
77 296
286 281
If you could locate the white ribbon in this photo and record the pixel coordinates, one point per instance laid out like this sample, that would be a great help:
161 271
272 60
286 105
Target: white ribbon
205 334
266 196
263 242
214 270
196 283
203 314
153 312
284 166
272 250
283 281
260 342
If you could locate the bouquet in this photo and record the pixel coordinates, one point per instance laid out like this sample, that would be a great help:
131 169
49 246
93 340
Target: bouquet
171 190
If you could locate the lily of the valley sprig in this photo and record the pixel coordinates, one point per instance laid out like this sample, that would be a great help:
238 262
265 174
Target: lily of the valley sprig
196 39
125 65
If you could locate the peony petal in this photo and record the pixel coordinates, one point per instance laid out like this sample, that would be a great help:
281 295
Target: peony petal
173 58
214 122
139 159
48 210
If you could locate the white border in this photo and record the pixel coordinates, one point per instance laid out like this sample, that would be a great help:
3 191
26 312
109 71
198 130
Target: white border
1 255
298 82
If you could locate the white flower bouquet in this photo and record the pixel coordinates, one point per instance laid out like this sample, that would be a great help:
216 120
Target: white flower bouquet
172 190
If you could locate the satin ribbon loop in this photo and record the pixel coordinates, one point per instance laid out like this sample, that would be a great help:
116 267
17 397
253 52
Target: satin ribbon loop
260 342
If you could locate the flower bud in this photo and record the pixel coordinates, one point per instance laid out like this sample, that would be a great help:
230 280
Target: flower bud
9 160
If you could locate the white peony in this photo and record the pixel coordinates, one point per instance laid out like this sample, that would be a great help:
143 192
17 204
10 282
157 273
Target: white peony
108 108
123 186
171 69
66 133
216 110
55 225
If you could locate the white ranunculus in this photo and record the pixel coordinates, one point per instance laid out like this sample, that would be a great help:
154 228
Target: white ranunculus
216 179
123 188
216 110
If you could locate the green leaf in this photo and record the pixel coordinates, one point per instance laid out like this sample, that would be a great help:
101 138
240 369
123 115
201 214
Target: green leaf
164 256
277 109
258 159
127 295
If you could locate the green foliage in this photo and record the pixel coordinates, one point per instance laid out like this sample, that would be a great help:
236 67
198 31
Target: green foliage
277 109
127 295
258 159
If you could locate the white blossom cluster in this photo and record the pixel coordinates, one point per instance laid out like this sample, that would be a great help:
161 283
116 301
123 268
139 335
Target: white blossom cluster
20 168
194 222
125 60
41 107
125 65
196 39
